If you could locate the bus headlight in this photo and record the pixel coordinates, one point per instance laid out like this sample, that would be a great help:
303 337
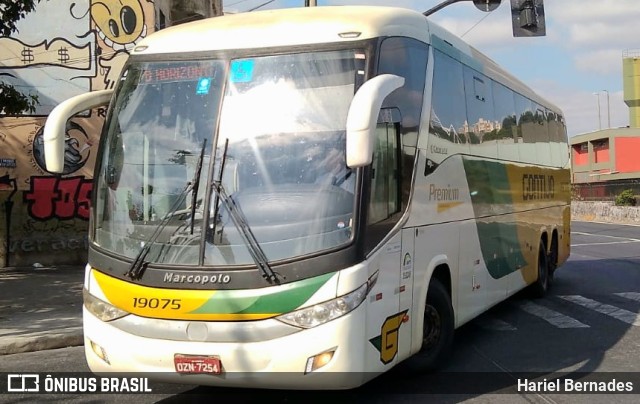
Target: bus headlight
321 313
101 309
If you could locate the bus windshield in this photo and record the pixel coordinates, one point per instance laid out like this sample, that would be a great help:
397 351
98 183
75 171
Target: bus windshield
273 132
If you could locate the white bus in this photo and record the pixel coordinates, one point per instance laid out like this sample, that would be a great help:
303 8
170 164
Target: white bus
289 195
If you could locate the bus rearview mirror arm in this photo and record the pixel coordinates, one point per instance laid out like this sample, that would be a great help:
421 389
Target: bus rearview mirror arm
56 125
363 116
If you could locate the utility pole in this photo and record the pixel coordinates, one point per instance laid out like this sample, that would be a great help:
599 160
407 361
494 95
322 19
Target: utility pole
599 120
608 110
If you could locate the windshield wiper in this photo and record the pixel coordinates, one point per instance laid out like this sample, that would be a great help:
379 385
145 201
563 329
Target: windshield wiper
196 184
139 264
240 221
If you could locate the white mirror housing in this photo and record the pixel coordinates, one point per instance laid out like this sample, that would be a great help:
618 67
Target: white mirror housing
56 126
363 116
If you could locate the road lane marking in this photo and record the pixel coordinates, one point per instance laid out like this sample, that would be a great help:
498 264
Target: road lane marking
608 243
625 240
603 235
629 295
494 324
550 316
603 222
612 311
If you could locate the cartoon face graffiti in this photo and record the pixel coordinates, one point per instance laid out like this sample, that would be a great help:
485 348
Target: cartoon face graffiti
120 23
76 150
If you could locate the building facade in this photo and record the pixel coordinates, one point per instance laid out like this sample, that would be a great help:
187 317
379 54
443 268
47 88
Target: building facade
605 162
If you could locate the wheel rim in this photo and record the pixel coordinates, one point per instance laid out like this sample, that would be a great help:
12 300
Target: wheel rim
432 328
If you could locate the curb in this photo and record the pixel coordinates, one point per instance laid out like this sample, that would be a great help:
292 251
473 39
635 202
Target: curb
72 336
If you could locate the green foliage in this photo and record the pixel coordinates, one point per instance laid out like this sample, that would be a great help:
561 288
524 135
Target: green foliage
626 198
12 11
12 102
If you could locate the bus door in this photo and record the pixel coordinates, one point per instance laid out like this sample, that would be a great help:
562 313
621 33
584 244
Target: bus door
385 316
405 291
473 279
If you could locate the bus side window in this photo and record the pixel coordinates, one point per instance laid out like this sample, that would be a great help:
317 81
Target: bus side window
406 57
525 112
384 199
480 125
448 124
505 116
543 150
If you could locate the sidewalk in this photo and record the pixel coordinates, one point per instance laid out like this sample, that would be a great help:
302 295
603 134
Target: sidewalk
40 308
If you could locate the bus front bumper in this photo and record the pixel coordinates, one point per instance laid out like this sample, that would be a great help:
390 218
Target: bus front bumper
282 362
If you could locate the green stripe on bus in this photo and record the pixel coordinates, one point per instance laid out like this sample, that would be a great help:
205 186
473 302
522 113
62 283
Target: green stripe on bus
282 299
491 197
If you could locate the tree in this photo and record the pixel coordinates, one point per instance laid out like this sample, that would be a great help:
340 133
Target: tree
11 100
626 198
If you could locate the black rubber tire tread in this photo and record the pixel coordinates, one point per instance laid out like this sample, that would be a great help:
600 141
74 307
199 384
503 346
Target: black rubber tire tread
539 288
552 259
437 298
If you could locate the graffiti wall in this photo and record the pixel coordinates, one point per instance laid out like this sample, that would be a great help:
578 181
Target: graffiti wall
61 49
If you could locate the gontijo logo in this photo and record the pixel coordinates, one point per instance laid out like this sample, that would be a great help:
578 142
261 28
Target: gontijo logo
538 187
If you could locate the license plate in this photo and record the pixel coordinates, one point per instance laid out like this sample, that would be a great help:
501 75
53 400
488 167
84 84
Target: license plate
194 364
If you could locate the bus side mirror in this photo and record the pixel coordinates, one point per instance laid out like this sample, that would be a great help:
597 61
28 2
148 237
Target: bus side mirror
363 116
56 125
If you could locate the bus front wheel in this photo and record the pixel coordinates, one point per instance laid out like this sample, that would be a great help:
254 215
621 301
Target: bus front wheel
437 330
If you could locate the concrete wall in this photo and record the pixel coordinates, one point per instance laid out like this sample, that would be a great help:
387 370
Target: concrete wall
605 212
61 49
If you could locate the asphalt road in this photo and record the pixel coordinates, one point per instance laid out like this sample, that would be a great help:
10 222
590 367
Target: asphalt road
588 322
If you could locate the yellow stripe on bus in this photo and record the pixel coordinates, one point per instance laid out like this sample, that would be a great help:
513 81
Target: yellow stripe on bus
175 304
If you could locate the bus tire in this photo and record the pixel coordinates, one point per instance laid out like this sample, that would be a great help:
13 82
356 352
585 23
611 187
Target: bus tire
437 329
541 285
552 259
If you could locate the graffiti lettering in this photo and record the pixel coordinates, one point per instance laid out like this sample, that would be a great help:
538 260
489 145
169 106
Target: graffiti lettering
61 198
56 244
63 55
27 56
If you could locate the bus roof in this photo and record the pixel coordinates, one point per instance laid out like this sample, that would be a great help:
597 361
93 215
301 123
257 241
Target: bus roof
317 25
288 27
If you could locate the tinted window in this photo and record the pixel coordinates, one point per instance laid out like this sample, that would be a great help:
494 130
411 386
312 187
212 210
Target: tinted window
448 114
505 114
385 195
481 126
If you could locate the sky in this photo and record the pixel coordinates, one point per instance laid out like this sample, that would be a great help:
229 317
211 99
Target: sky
577 65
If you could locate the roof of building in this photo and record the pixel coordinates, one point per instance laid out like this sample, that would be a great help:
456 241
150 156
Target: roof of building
604 133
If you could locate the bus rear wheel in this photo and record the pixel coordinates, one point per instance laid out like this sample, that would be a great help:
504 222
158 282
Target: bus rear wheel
437 330
541 285
552 259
